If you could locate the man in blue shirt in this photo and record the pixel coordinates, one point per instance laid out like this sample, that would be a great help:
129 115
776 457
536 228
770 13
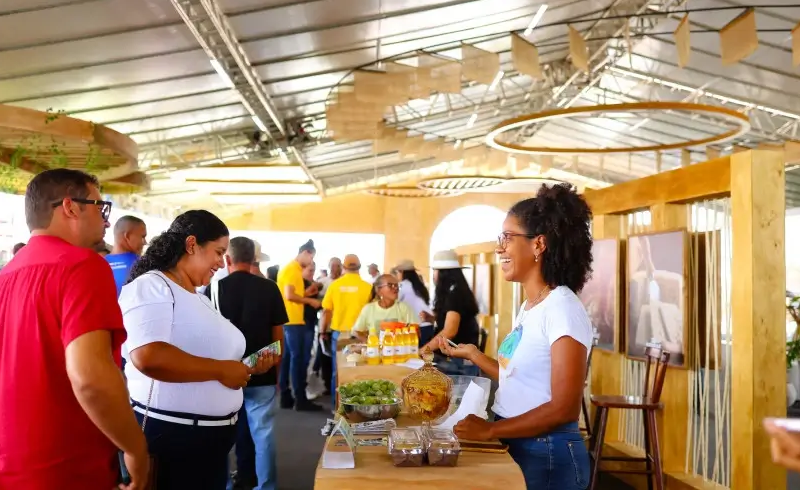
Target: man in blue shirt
130 237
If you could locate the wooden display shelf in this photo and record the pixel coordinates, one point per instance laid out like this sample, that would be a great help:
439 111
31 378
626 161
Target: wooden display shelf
34 141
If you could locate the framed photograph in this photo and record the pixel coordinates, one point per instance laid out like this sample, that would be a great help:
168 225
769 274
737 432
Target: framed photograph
483 288
657 294
600 295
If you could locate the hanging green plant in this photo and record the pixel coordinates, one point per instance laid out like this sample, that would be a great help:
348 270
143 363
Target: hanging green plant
51 139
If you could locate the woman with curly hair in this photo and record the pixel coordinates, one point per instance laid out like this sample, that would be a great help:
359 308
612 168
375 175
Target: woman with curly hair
185 373
541 366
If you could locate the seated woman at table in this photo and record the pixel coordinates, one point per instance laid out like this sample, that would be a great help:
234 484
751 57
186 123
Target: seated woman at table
547 247
383 306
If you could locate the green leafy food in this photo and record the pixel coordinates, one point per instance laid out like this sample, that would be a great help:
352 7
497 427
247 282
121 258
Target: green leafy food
369 392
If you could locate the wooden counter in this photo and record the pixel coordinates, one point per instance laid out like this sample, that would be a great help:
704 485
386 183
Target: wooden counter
374 469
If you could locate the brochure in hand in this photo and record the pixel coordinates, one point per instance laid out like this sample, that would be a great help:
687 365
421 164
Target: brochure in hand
252 359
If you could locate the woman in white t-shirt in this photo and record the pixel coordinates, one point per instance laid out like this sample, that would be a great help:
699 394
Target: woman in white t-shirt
185 371
414 293
546 246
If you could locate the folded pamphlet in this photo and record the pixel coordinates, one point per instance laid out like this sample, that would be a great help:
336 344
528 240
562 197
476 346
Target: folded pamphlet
252 359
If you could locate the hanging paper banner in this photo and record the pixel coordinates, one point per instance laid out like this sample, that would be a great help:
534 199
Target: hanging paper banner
682 42
577 50
479 65
525 58
739 39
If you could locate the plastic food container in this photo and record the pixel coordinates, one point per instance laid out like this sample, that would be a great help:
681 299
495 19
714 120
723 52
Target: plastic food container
442 447
406 447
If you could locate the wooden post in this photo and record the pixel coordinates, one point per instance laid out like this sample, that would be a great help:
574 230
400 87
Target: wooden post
758 370
607 366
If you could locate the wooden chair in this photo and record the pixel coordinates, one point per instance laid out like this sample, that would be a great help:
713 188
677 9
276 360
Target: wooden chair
584 409
649 403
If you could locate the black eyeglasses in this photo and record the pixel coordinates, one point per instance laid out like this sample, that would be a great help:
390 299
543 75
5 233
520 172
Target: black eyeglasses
506 236
105 206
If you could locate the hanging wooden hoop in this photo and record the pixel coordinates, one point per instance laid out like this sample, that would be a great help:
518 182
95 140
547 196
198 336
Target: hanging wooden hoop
411 192
729 115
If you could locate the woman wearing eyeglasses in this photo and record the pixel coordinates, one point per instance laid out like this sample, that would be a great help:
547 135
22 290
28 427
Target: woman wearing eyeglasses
185 371
383 306
541 366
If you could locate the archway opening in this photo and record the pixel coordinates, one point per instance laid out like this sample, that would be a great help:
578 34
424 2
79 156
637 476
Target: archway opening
471 224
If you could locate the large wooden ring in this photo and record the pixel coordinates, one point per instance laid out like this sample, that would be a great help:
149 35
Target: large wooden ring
517 122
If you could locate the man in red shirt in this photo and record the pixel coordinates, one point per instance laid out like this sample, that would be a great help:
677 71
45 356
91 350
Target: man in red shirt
64 408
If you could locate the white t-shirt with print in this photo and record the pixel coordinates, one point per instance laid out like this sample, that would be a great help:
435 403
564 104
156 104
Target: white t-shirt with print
195 328
524 356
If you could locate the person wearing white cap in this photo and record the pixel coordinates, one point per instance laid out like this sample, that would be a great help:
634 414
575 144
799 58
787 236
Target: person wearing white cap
454 311
414 293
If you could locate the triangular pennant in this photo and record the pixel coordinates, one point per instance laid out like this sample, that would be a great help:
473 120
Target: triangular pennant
479 65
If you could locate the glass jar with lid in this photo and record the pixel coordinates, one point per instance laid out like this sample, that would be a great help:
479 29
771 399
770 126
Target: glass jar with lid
427 392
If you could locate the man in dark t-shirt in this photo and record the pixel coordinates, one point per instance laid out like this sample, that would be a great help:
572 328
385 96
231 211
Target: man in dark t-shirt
254 305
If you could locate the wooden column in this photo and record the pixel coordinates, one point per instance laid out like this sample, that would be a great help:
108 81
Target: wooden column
673 421
758 370
607 366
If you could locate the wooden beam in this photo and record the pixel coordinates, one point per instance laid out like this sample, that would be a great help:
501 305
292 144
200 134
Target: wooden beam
758 373
702 181
477 248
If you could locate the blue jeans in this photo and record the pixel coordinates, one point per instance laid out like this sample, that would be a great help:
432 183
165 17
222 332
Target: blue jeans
456 367
558 460
298 340
259 403
334 340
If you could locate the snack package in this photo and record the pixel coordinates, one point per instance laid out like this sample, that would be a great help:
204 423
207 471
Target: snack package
252 359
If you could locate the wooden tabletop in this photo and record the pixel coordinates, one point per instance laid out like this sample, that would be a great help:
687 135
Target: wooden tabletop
374 469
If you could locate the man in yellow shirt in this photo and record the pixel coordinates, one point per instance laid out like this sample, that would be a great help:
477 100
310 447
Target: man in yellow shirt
342 304
295 298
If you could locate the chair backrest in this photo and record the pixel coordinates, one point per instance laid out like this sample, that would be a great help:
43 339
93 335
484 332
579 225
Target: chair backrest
483 336
595 341
657 361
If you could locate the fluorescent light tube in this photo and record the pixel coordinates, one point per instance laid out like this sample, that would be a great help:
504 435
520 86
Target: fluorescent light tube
222 74
472 119
260 124
536 18
496 80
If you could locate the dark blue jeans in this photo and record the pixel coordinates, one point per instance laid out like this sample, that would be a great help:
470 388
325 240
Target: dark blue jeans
298 341
334 340
558 460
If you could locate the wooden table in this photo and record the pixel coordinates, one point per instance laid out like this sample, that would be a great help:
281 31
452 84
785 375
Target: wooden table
374 469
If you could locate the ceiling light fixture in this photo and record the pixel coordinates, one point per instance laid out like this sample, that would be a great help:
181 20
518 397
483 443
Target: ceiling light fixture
536 18
472 119
457 145
222 73
260 124
639 124
496 80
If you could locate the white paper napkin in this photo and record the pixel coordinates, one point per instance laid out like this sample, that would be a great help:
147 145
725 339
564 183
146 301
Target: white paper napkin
472 403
